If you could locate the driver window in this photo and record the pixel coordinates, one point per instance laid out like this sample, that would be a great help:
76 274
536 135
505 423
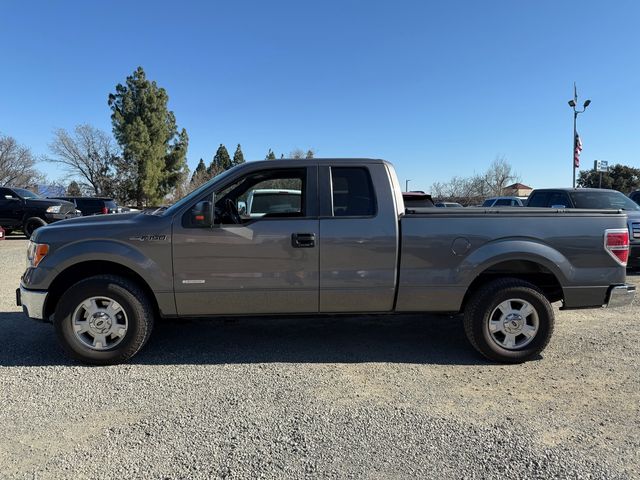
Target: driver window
268 194
278 193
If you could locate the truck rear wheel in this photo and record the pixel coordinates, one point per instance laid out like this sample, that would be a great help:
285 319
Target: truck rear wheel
103 320
509 320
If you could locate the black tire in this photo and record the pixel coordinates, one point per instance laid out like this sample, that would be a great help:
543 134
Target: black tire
128 295
31 225
481 306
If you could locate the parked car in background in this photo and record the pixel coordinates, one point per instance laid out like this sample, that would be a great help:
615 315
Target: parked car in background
263 201
21 209
93 205
594 198
635 196
449 205
504 202
417 200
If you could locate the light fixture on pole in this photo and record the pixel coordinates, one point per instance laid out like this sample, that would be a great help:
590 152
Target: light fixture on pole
577 143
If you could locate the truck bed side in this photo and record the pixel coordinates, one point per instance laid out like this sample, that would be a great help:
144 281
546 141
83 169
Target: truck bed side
444 254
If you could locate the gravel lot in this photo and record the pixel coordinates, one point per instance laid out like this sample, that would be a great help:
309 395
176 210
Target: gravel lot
397 397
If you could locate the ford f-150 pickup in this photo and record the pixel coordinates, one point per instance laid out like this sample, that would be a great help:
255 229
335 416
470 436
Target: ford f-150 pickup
348 247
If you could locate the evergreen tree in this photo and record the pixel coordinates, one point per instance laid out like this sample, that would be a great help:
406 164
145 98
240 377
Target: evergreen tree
221 162
199 172
73 190
310 154
154 151
238 156
270 155
623 178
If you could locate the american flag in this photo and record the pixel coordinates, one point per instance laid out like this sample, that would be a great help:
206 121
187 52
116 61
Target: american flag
576 151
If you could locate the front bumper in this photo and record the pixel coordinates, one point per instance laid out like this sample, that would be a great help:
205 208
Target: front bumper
32 302
55 217
620 296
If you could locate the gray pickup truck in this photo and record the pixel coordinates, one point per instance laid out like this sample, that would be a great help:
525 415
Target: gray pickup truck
349 247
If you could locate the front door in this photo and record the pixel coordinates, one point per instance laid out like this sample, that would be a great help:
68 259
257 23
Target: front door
260 256
11 208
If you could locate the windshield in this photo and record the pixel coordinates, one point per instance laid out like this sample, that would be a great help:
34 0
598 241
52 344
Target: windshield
26 193
195 194
603 199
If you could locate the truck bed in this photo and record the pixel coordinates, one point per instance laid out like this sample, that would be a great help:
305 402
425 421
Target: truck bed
444 250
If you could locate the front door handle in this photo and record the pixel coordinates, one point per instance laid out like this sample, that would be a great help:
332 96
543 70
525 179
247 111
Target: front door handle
303 240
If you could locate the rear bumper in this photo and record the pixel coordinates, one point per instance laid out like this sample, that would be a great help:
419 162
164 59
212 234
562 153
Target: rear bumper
634 256
620 296
32 302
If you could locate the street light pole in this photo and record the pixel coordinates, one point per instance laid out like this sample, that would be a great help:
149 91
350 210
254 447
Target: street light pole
406 185
572 104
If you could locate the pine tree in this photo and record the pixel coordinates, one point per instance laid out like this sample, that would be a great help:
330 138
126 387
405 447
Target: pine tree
238 156
221 162
270 155
310 154
154 151
199 172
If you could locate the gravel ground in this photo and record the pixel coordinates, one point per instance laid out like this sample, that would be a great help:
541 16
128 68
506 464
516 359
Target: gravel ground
393 397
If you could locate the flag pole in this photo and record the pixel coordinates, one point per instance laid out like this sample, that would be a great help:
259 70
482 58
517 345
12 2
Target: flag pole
575 155
575 131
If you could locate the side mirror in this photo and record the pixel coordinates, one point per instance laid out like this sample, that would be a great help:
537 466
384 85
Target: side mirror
203 212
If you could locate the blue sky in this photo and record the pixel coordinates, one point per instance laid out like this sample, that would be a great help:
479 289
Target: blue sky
439 88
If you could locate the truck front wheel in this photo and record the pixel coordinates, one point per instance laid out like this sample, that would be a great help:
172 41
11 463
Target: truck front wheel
509 320
31 225
103 320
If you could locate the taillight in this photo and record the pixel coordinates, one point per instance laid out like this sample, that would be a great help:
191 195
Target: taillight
105 210
616 243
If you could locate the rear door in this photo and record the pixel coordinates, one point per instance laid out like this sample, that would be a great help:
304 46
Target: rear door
358 239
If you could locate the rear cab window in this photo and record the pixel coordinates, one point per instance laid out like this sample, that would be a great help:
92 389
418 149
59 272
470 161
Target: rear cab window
352 192
538 199
558 199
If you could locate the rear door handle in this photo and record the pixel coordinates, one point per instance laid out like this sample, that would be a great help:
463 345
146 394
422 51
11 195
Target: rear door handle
303 240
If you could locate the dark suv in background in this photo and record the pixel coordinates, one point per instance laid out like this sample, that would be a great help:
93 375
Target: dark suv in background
594 198
635 196
24 210
93 205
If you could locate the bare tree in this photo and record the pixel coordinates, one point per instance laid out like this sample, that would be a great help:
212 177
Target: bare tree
499 175
474 189
298 153
17 164
89 154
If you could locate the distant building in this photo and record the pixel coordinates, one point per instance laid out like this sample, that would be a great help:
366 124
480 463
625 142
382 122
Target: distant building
517 190
51 190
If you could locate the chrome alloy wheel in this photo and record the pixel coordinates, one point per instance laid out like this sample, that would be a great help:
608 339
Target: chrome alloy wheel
100 323
513 324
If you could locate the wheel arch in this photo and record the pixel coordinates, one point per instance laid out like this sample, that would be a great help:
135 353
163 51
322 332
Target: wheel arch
79 271
528 270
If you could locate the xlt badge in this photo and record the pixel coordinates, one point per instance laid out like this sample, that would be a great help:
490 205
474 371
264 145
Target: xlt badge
144 238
